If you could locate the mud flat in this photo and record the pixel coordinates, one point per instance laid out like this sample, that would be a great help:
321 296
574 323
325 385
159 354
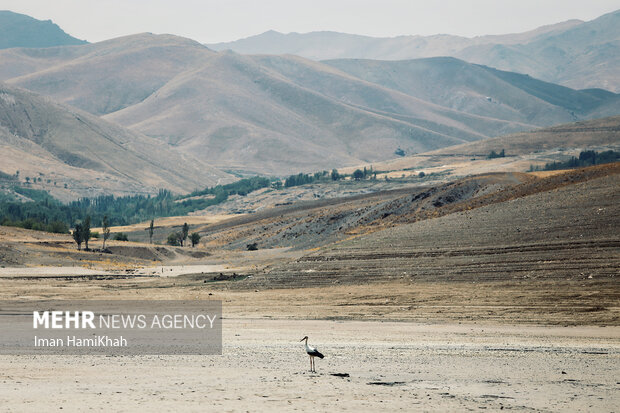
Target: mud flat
177 270
393 366
43 272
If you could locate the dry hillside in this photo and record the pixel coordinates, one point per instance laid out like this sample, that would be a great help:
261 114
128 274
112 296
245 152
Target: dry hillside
74 154
522 150
562 227
285 114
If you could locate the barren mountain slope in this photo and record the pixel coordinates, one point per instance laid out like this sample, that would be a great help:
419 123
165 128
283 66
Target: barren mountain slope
238 110
583 56
284 114
107 76
483 90
246 111
573 53
62 145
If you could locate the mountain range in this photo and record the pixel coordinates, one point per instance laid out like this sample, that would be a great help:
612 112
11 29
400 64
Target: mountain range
574 53
282 114
19 30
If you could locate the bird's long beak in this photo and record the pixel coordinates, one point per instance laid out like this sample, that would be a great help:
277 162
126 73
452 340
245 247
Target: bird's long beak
302 339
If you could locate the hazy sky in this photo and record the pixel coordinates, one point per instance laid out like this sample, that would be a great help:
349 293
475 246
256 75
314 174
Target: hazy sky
211 21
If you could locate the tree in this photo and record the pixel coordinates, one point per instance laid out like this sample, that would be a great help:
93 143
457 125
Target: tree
335 175
358 174
106 229
77 235
494 154
151 229
184 233
194 238
86 231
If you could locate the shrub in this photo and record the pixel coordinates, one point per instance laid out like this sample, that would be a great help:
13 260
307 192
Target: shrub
174 239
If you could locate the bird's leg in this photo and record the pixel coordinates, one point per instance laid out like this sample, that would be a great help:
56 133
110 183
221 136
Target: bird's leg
310 364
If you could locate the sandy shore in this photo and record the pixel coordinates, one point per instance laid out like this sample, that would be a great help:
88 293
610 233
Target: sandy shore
391 366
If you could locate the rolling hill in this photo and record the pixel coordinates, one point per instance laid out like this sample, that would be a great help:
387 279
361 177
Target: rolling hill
483 91
244 112
523 150
283 114
71 153
19 30
603 132
573 53
103 77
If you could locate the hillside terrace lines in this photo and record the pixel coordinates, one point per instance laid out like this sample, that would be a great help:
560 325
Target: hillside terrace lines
560 230
316 223
355 254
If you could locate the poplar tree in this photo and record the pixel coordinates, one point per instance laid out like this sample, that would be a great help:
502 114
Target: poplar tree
106 229
77 235
151 229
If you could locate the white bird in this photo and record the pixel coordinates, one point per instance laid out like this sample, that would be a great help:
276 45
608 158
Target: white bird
312 352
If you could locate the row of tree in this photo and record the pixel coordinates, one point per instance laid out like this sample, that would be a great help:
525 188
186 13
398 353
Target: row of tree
303 178
586 158
493 154
46 213
82 234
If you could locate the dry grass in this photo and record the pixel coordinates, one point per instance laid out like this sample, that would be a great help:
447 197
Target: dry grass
172 222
